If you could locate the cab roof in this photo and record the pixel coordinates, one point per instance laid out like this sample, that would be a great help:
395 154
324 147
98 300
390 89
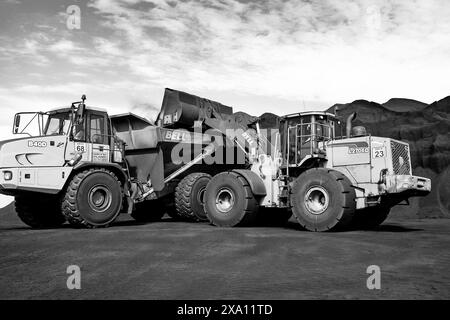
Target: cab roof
309 113
65 109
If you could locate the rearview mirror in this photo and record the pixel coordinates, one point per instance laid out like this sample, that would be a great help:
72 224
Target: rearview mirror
16 123
80 112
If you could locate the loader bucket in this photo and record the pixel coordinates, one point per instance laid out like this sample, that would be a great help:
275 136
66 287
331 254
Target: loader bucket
181 110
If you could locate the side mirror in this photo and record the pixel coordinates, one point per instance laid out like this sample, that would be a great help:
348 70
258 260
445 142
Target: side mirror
81 109
80 112
16 123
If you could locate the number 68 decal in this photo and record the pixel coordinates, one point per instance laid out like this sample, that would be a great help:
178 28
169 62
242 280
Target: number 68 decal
378 152
80 148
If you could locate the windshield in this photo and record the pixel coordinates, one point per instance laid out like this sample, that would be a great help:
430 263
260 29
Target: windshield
323 126
57 124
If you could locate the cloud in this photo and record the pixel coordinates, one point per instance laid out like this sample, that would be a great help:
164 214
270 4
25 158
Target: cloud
12 1
147 110
24 50
328 50
259 55
107 47
63 47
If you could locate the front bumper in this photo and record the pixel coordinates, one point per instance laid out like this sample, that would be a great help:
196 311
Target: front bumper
50 180
406 184
8 187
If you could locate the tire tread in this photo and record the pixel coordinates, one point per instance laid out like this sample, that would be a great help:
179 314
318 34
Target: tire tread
69 204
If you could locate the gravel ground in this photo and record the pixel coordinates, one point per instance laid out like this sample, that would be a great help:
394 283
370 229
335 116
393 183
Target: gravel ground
179 260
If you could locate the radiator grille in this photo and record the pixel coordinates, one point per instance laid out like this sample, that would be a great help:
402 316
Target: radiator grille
401 161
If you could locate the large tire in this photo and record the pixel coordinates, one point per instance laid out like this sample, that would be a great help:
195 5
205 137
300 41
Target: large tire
370 218
39 211
93 198
229 201
323 200
189 196
148 211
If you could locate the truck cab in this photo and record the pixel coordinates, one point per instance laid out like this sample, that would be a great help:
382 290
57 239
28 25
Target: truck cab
92 137
57 140
56 151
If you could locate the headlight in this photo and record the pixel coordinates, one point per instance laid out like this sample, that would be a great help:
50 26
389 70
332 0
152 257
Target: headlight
406 185
7 175
74 161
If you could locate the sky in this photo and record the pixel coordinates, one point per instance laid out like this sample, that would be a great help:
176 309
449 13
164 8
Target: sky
255 55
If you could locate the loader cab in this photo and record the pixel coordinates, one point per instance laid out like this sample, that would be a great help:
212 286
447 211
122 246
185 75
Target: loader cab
305 135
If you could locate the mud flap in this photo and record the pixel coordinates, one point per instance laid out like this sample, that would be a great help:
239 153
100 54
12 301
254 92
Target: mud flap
255 182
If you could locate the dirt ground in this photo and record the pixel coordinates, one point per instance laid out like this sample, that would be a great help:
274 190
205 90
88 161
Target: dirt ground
179 260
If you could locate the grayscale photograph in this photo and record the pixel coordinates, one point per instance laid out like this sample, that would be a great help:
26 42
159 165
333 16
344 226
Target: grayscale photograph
248 151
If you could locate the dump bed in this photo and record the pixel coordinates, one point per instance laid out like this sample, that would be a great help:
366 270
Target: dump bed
135 131
142 151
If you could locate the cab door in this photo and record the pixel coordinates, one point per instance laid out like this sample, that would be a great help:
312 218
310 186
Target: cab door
99 137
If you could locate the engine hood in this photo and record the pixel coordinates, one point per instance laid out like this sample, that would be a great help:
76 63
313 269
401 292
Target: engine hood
33 151
12 140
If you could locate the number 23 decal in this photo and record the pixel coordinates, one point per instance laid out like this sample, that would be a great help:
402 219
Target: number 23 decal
378 152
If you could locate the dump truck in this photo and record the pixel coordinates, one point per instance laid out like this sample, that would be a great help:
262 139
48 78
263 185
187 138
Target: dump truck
201 161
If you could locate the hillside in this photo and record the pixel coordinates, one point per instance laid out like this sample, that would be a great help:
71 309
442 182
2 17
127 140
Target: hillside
404 105
426 129
8 213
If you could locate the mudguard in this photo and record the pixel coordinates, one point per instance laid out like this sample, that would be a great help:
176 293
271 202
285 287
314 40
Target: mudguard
255 182
114 166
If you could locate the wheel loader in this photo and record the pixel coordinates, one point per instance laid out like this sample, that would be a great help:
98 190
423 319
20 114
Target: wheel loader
200 161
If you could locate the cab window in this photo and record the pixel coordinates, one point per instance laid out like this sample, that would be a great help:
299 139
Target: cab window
97 129
323 128
57 124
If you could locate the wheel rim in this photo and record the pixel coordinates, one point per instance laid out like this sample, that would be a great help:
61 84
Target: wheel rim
99 198
317 200
224 200
201 195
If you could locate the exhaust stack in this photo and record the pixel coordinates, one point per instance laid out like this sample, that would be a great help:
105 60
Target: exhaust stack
349 124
